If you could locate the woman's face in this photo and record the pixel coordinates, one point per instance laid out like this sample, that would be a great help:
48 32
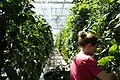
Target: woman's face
90 49
93 48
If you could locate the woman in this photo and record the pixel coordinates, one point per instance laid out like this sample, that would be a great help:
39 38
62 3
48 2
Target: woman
84 67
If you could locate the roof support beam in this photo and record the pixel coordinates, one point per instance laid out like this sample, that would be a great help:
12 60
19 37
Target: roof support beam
54 2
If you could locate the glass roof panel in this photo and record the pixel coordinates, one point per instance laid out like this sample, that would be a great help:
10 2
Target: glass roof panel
54 11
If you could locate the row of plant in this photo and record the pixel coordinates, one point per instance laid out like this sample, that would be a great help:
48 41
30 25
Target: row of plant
100 17
25 41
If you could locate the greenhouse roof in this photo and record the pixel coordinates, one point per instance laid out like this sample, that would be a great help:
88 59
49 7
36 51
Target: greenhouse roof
54 11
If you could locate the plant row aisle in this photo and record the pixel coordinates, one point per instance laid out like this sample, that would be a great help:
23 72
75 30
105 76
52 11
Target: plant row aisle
101 17
25 41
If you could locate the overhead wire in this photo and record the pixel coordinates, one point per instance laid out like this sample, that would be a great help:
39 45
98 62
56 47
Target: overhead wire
42 8
62 11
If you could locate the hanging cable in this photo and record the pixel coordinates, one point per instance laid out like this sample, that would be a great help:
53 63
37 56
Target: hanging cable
62 7
42 8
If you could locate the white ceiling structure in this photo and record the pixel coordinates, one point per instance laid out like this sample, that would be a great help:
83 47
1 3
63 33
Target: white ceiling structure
54 12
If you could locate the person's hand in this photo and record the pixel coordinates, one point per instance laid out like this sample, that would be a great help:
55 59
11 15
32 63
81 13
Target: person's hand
103 75
113 75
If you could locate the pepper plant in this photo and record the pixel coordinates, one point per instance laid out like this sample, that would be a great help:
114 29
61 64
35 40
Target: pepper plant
25 41
100 17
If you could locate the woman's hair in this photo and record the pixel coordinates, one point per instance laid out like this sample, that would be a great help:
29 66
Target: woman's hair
85 38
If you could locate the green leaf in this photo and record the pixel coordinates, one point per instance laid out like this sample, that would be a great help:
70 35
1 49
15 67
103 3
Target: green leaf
113 48
105 16
26 42
111 0
84 1
118 25
20 29
113 41
118 16
104 60
80 7
119 48
1 5
104 1
36 35
118 1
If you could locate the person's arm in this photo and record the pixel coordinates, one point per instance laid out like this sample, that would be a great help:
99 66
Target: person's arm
96 71
104 76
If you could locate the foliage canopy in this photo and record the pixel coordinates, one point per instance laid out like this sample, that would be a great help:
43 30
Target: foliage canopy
26 41
100 17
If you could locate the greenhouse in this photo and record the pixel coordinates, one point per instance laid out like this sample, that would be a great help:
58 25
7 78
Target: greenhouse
54 12
60 39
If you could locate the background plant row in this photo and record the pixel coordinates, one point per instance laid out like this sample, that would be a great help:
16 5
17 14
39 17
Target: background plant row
101 17
25 41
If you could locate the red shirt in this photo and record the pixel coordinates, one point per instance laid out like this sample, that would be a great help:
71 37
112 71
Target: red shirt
83 67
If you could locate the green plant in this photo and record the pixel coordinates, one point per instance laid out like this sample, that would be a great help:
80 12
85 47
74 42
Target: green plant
100 17
27 39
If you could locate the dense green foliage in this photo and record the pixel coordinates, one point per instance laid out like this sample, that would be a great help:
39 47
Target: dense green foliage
26 40
101 17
